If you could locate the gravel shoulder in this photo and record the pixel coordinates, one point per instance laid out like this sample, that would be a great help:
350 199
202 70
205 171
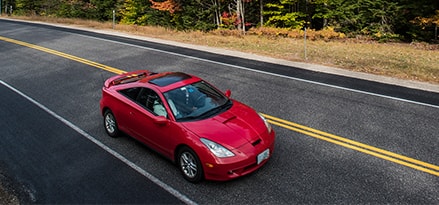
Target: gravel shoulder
7 194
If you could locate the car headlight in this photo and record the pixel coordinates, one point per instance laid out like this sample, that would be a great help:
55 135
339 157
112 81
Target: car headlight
267 124
217 149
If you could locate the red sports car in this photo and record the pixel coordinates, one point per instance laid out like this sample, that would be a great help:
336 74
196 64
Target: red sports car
205 132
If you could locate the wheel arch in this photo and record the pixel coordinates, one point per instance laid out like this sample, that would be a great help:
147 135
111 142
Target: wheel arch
104 109
177 150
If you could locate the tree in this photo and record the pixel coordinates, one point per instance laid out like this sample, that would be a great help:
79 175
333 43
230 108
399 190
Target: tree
191 15
75 9
237 8
261 12
428 21
28 7
411 10
103 9
169 5
405 19
213 6
381 15
284 14
134 12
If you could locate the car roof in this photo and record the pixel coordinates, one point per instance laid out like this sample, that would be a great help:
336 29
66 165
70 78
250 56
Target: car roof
167 79
161 81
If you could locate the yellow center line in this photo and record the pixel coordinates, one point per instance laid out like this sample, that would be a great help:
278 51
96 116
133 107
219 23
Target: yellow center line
367 149
64 55
351 144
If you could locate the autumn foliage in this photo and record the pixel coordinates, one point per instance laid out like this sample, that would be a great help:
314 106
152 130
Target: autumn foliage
169 5
423 21
382 20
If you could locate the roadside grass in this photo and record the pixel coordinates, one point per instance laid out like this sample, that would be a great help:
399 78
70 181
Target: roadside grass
415 61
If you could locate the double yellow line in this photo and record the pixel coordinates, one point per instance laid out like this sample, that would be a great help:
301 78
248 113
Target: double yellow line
64 55
351 144
380 153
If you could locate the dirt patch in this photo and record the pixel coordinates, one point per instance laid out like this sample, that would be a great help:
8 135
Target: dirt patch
7 195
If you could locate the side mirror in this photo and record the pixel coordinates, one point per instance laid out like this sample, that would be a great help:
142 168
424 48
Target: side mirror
228 93
160 120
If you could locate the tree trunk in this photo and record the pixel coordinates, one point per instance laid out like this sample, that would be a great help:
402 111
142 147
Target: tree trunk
435 31
261 9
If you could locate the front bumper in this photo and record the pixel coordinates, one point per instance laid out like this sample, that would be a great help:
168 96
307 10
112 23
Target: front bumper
245 162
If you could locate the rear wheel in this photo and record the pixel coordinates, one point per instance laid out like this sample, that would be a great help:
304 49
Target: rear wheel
110 124
190 165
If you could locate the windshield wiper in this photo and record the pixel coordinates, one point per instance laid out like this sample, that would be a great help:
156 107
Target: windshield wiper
208 113
216 110
187 118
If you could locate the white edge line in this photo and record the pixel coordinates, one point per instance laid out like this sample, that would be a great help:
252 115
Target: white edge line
267 73
157 181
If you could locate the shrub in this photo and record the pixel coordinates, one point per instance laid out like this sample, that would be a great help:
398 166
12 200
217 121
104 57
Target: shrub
226 32
325 34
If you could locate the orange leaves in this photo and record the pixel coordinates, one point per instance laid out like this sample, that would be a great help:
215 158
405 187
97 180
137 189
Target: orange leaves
169 5
423 21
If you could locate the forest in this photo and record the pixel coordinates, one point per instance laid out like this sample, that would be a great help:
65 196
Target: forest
399 20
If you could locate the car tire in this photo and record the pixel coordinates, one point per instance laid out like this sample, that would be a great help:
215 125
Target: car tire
110 124
190 165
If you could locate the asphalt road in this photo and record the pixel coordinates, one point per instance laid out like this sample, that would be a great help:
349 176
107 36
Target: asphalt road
52 162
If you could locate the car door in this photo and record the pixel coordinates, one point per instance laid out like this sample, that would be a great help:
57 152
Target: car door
123 109
152 124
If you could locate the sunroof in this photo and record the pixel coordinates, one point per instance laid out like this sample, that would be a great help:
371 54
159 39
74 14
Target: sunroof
169 79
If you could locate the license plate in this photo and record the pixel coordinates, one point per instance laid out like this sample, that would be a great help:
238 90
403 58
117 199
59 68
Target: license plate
263 156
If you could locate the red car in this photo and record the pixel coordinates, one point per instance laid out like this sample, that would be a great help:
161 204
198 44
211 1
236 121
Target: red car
205 132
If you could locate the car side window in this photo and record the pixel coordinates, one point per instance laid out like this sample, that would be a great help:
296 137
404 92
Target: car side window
152 102
131 93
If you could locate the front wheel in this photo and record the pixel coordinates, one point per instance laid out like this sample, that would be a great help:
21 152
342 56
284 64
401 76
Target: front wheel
190 165
110 124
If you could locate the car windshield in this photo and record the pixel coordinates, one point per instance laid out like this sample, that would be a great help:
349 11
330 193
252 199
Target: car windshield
196 101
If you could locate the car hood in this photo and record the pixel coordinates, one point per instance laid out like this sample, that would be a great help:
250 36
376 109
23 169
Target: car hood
233 128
